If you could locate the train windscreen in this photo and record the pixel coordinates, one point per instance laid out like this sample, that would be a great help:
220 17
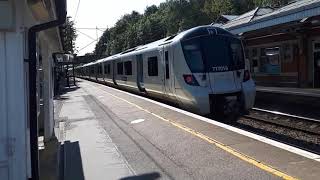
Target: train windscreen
213 54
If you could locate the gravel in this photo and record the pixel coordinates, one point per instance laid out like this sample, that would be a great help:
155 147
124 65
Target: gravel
298 138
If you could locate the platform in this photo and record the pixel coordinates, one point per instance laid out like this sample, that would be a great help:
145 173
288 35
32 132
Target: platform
112 134
307 92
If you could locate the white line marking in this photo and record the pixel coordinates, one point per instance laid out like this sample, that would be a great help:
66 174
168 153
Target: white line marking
137 121
271 142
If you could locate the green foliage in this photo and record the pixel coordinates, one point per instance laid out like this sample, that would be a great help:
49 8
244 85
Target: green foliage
69 36
170 18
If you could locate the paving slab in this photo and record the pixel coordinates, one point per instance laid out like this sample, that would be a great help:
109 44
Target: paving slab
89 152
105 137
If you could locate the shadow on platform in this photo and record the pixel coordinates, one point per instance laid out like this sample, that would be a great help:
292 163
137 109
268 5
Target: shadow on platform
48 160
148 176
71 162
62 94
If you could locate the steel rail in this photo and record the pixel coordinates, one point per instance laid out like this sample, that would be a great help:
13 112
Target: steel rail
286 115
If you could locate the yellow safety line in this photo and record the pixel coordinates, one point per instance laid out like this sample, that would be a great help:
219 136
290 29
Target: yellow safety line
218 144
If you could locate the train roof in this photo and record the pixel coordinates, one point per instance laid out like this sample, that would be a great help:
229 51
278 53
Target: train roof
188 34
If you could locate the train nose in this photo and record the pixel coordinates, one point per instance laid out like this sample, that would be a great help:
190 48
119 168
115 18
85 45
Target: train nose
226 105
232 106
222 82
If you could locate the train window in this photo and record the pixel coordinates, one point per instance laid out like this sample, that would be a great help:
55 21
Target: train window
193 55
106 68
166 55
109 69
91 70
99 69
221 51
120 67
128 68
217 55
237 56
153 66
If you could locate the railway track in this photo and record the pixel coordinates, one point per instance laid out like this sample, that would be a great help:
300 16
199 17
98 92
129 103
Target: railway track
303 124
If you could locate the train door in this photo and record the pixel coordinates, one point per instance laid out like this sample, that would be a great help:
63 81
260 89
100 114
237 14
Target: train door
96 69
316 62
114 72
104 70
167 58
140 83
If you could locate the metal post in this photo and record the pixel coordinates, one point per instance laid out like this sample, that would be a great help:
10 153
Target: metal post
74 77
67 75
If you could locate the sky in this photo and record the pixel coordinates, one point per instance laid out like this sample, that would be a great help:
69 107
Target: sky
93 16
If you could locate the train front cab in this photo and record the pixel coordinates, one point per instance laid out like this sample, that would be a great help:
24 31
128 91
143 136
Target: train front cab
214 79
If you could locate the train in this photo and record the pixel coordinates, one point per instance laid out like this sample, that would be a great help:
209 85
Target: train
202 69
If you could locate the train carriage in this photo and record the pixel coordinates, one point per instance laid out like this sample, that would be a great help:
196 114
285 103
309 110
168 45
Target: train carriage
202 69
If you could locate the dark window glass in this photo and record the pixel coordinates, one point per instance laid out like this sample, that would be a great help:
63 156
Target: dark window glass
223 53
218 53
106 69
109 69
153 66
247 53
120 68
255 63
254 52
237 56
167 64
316 46
128 68
99 69
193 55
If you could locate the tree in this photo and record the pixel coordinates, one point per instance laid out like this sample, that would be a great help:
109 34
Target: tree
169 18
215 8
69 36
150 10
102 44
271 3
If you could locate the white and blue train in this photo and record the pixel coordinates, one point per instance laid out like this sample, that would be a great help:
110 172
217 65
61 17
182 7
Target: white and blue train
202 69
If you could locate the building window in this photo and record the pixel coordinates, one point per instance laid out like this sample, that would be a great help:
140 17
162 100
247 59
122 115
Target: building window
247 53
128 68
153 66
270 60
255 60
287 53
120 68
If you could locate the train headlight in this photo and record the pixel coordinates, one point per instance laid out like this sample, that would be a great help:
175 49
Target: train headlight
190 79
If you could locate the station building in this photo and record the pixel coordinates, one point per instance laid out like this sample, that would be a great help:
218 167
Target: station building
283 45
29 36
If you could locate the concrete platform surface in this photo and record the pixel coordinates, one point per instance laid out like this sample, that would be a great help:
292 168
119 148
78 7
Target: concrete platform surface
110 134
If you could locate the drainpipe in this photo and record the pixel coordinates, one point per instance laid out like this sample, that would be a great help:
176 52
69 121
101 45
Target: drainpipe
32 61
